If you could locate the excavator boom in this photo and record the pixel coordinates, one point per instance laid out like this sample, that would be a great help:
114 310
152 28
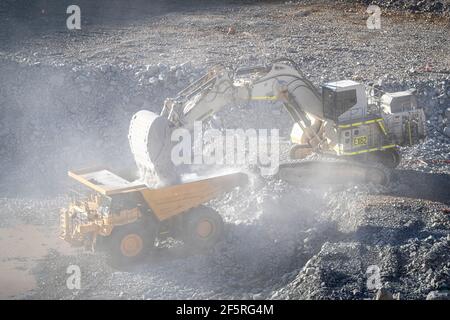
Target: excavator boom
149 133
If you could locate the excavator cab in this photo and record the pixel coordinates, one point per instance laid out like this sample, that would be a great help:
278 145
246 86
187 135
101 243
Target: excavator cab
367 131
340 97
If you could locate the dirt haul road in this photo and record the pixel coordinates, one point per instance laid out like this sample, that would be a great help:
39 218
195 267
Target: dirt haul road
67 97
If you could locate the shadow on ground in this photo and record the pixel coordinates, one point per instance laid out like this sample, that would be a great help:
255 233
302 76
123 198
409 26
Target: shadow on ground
421 185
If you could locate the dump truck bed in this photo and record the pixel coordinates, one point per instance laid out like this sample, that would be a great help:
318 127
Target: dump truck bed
166 201
104 181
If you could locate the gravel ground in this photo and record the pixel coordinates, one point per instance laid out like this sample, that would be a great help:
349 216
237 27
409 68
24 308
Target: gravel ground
67 99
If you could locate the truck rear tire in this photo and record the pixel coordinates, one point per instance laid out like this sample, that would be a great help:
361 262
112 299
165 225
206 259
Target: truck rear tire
203 227
129 244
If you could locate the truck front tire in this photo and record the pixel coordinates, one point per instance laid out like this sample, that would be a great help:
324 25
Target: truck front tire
129 244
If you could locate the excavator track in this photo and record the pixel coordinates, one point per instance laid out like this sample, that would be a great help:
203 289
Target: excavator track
319 172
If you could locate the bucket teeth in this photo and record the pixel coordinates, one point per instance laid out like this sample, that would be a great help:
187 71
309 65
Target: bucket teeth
63 224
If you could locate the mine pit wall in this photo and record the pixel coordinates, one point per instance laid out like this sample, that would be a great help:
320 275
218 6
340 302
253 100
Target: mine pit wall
55 118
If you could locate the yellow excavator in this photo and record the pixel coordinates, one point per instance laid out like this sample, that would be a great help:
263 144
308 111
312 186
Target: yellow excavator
359 128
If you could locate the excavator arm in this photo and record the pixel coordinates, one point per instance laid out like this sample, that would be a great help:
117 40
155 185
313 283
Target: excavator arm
218 89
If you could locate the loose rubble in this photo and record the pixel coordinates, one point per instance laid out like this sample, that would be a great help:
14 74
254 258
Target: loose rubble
438 7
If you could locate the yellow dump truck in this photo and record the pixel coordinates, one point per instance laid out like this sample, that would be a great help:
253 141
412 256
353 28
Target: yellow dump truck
126 217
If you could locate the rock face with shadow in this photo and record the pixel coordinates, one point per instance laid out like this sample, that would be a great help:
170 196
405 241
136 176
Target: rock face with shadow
404 241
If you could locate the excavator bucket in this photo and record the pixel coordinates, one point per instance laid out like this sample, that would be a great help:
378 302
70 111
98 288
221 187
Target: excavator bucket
149 138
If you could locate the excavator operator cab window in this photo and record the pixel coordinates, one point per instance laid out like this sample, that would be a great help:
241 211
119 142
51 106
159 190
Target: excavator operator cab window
336 103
